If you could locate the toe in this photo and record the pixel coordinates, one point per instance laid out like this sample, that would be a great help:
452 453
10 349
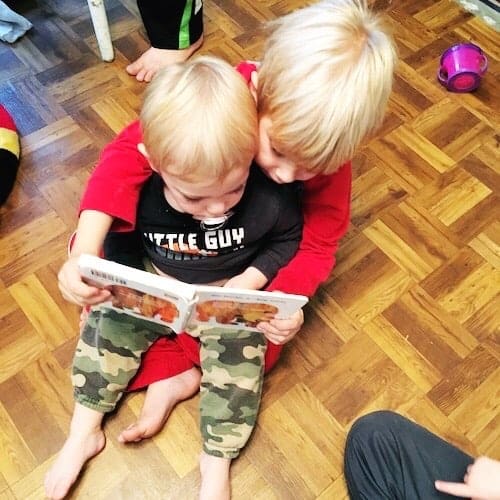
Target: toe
133 68
133 433
140 75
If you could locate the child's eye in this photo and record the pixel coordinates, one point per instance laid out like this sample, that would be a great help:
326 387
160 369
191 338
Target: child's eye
277 153
192 200
238 189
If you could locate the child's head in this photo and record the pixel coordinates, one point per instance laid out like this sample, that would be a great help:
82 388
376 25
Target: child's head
199 120
323 86
200 133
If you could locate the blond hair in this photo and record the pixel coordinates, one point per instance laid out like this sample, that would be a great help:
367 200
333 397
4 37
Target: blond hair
199 120
324 82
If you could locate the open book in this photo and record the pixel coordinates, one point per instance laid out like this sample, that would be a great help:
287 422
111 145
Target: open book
183 306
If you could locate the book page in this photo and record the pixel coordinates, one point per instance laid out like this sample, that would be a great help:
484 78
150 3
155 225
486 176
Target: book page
141 294
242 309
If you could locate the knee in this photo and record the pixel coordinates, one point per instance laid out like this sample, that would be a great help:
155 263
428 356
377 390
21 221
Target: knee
372 454
377 420
365 428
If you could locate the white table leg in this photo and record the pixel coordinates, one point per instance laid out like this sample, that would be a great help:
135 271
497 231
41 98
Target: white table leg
101 28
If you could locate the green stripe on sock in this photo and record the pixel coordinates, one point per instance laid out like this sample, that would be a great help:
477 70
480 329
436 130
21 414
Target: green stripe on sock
184 38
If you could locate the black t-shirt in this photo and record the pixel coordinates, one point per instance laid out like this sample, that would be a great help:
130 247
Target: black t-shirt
263 231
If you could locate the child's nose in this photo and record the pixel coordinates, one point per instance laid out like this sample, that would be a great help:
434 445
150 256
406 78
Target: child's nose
216 208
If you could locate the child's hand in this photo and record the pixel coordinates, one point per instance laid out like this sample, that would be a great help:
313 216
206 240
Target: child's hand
281 331
481 481
75 290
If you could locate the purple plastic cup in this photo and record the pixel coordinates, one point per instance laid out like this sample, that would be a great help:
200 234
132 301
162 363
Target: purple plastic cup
461 67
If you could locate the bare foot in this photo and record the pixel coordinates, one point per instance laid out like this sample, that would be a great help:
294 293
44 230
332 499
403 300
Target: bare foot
86 440
215 484
161 397
155 59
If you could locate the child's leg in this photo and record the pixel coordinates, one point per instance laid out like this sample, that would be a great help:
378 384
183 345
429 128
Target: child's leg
175 30
170 377
215 478
107 356
161 398
85 440
232 364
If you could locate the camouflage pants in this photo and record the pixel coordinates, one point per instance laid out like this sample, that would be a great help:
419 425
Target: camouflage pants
108 356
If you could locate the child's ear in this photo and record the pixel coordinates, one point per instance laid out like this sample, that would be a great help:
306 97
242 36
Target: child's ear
144 152
254 81
142 149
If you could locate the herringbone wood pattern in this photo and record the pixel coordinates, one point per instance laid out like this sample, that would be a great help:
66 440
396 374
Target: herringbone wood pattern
408 319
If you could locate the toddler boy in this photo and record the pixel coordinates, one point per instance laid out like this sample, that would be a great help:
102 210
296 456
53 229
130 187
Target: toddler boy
200 129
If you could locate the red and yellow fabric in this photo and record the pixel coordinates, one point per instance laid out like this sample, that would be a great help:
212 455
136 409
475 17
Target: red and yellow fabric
9 154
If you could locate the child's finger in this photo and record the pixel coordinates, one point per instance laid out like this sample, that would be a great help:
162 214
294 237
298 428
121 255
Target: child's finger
81 291
99 297
283 324
268 329
294 322
277 337
83 294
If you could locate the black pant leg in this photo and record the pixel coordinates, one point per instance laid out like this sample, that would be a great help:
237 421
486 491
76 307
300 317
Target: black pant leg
389 457
172 24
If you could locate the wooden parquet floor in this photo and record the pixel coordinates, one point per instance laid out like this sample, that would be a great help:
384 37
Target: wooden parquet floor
408 319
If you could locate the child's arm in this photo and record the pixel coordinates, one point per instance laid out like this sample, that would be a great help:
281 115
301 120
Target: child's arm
115 184
250 279
282 241
109 202
280 246
92 229
110 199
326 208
